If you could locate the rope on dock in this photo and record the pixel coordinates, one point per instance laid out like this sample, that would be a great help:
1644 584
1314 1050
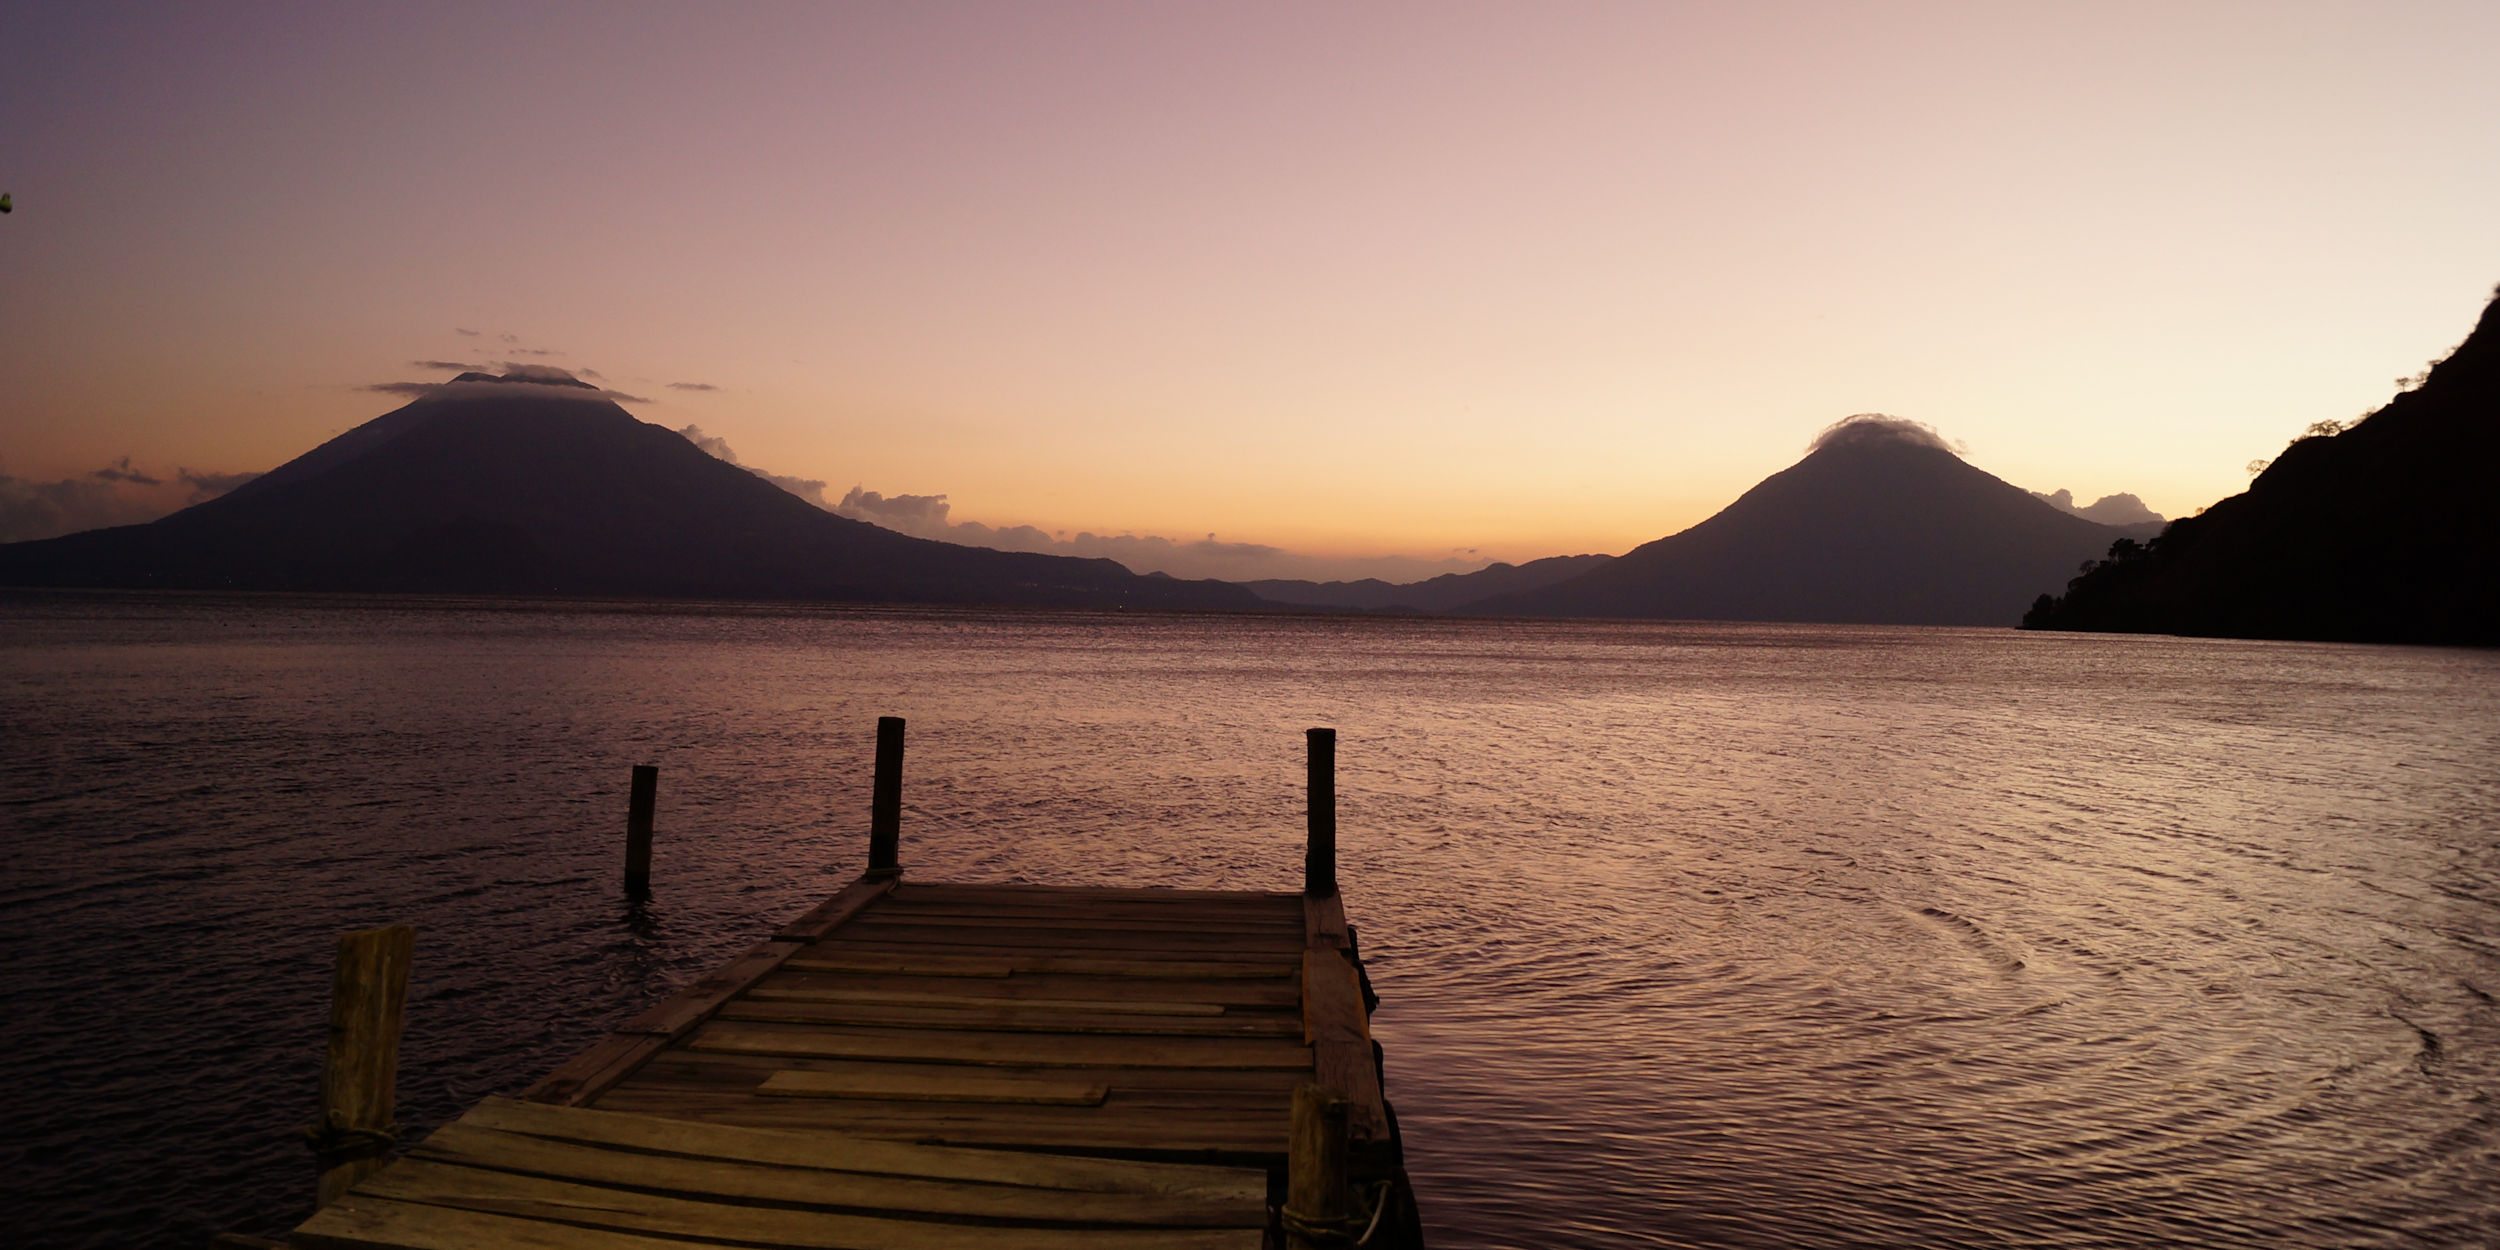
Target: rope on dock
1339 1232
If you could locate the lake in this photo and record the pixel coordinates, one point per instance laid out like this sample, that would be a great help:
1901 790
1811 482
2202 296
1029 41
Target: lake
1687 934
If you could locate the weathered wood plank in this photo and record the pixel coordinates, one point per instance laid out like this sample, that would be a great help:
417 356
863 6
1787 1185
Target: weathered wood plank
1332 999
831 914
1229 992
360 1070
1319 1198
359 1222
1248 1136
689 1007
1192 919
1009 892
1323 921
582 1077
974 944
1214 1086
1046 1050
742 1180
997 961
431 1209
1126 1097
887 961
769 991
790 1084
1009 1019
1348 1068
817 1150
873 929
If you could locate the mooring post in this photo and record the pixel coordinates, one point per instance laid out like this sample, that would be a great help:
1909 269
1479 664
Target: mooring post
1319 858
885 802
1319 1198
359 1076
638 808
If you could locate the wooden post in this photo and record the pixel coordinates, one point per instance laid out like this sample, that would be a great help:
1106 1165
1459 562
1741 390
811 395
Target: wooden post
1319 857
885 802
358 1079
1319 1198
646 794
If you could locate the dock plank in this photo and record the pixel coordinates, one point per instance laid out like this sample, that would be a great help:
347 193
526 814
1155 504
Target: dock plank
906 998
809 1150
1092 895
556 1204
831 914
1011 1019
1006 1049
985 961
1171 920
684 1010
789 1084
1256 993
1332 999
733 1070
1252 1136
1280 942
464 1147
584 1076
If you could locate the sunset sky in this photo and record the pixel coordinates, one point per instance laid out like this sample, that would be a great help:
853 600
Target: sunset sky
1439 281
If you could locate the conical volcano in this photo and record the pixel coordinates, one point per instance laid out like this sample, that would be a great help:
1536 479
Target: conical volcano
541 485
1880 524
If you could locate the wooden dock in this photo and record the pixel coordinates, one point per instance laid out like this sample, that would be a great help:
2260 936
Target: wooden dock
924 1065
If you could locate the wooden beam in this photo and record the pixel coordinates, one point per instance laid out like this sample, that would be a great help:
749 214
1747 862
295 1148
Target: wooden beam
675 1015
595 1071
1319 854
638 809
1323 921
834 912
359 1075
1319 1195
885 803
1016 1089
1332 1000
1352 1068
811 1150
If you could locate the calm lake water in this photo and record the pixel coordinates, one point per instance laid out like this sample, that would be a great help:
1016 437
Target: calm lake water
1687 934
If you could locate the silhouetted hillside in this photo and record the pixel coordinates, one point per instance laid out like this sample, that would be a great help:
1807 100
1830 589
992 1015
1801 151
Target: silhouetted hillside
1439 594
1879 524
494 485
2385 532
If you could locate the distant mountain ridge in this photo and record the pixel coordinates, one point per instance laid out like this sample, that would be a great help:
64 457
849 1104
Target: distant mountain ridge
528 485
2120 509
1445 593
1880 523
2385 532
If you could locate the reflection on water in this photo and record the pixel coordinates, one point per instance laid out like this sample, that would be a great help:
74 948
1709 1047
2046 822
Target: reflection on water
1707 935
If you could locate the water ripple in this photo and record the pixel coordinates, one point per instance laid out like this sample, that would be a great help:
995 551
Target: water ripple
1687 934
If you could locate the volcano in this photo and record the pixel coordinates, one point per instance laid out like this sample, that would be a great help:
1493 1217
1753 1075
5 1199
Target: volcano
1881 523
531 484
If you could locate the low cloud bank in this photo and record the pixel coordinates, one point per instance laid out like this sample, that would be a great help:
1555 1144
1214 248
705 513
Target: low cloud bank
117 494
928 516
807 488
931 516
